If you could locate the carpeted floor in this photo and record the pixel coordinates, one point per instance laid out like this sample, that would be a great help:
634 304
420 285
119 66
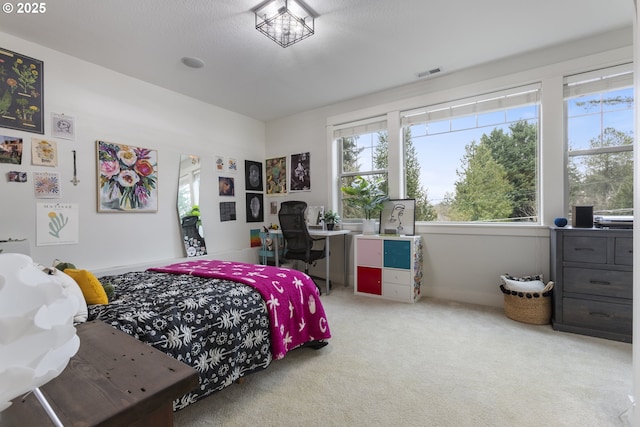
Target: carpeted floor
433 363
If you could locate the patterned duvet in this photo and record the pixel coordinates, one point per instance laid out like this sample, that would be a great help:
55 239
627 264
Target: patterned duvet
220 327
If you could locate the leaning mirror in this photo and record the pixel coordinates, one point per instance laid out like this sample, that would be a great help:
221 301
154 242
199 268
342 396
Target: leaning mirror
189 207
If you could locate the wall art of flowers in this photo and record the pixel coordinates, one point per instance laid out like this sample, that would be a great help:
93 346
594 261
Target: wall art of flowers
21 92
46 185
44 153
127 178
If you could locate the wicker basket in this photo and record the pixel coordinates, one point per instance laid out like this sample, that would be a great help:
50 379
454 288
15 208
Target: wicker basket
528 307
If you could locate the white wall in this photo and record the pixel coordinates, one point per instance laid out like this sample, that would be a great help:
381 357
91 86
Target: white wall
463 262
113 107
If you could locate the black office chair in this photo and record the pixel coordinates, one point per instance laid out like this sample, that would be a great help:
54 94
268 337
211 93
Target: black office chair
298 244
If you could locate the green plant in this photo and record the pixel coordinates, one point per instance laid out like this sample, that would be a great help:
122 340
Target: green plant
366 195
331 217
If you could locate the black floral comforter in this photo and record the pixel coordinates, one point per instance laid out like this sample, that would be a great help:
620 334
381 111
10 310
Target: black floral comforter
219 327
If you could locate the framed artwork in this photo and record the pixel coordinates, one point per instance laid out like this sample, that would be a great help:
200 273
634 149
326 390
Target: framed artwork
398 217
255 207
226 186
10 150
63 126
276 169
253 175
274 208
127 178
44 153
227 211
57 224
22 104
300 179
46 185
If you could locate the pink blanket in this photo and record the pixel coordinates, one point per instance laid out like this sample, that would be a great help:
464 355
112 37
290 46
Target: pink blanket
296 313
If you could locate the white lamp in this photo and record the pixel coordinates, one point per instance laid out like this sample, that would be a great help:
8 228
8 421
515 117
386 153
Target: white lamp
37 336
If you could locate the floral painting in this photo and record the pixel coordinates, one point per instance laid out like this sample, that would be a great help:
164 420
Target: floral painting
46 185
44 153
127 178
21 92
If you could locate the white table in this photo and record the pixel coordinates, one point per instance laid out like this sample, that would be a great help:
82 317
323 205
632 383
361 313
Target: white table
327 235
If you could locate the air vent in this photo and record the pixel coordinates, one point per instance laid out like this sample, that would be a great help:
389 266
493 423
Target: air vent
428 73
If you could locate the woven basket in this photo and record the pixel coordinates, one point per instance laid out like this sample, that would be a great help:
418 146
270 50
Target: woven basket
528 307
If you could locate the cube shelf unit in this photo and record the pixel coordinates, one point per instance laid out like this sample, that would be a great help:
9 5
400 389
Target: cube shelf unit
388 267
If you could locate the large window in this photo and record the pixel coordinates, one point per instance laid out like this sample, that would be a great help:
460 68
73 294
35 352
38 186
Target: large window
475 159
363 151
599 134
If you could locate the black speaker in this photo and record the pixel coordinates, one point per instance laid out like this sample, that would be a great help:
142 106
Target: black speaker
582 216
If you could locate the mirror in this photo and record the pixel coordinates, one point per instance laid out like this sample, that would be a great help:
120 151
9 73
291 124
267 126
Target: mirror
189 207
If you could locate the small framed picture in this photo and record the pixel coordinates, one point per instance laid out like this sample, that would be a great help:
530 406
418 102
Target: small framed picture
398 217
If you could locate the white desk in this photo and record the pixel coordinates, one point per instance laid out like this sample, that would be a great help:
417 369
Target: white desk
327 235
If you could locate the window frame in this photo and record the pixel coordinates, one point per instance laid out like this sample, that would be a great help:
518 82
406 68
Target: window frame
595 81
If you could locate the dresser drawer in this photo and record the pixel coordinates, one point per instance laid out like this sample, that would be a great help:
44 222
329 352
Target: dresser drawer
603 316
397 292
585 249
624 251
593 281
401 277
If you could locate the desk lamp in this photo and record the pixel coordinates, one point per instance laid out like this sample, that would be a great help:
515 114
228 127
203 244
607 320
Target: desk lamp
37 336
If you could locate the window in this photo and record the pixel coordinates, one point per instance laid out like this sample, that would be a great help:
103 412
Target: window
363 150
475 159
599 137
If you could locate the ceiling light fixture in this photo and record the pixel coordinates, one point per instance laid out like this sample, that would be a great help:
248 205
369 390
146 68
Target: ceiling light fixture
285 21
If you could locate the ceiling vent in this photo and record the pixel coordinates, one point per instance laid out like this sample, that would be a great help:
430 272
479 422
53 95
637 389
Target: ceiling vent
429 73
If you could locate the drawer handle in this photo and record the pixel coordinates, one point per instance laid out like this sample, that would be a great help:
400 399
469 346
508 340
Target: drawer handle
602 315
599 282
584 249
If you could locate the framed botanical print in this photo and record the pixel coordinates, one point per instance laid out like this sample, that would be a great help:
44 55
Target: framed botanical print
398 217
21 103
127 178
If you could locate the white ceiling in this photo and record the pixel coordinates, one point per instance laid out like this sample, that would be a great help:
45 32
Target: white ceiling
360 46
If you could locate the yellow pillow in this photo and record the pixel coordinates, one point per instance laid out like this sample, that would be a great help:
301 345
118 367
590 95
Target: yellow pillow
91 287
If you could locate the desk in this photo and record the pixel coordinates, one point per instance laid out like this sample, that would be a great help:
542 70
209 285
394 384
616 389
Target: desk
327 235
114 380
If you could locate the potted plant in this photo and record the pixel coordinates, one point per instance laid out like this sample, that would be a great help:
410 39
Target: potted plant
366 195
331 218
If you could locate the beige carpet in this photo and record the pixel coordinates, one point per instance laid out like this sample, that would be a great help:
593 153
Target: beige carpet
433 363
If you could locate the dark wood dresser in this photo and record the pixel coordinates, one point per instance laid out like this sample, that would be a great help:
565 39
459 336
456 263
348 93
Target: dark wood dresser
593 273
113 380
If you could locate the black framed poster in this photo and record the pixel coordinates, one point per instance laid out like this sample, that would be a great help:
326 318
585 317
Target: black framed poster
21 92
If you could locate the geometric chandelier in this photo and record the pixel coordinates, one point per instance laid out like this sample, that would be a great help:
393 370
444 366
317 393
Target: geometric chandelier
285 21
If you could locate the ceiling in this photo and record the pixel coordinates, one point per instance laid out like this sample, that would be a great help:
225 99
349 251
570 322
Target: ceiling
359 46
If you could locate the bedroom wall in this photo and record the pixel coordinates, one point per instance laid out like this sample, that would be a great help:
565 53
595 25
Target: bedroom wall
116 108
463 262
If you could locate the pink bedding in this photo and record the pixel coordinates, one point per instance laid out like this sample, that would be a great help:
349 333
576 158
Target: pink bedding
296 313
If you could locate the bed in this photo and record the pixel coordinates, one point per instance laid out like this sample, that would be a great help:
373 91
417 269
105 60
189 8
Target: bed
225 319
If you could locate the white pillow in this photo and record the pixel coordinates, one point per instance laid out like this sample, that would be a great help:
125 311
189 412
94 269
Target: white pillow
523 285
72 288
